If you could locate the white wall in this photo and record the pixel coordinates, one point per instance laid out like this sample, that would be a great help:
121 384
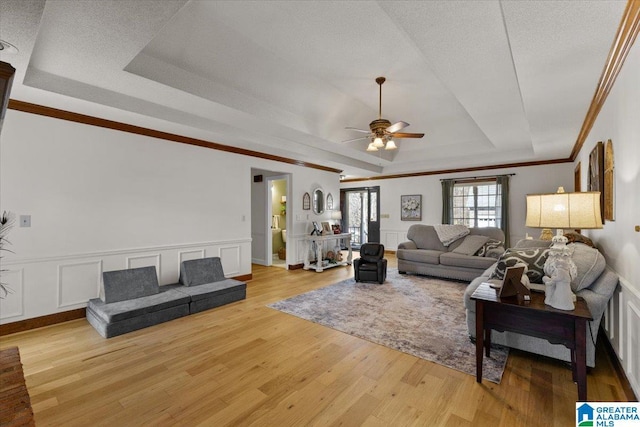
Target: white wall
532 179
104 200
619 120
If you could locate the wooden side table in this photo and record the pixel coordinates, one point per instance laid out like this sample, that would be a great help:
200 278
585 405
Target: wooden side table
535 319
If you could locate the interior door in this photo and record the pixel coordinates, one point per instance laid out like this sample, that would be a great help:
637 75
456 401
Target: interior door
361 214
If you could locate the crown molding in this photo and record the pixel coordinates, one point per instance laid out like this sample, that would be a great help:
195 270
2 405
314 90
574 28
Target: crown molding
459 170
625 37
42 110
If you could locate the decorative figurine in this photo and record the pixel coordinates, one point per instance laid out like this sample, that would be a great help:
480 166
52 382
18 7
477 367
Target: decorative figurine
559 271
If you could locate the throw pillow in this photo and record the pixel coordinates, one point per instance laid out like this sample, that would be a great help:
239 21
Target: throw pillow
491 244
578 238
533 258
589 263
494 252
471 244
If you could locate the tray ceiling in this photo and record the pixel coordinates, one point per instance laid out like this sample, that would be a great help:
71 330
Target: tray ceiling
488 82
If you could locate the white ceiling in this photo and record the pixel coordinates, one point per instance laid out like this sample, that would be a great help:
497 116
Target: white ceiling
488 82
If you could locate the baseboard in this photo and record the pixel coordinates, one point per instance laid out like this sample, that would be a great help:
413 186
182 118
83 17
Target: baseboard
615 362
39 322
244 277
295 266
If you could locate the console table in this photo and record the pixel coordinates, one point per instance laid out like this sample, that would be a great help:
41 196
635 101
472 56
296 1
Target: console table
319 241
535 319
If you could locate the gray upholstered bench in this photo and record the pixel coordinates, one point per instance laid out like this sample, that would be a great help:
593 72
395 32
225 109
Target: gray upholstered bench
203 280
134 300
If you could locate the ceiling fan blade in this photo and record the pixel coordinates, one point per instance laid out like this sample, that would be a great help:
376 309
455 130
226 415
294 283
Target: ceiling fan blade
397 126
407 135
355 139
358 130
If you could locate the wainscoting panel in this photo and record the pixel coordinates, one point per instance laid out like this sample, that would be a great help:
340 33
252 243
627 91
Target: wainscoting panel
622 326
230 258
55 284
144 261
78 282
633 345
392 238
12 304
189 255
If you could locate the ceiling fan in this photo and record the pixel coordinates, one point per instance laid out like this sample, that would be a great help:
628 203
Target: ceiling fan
382 132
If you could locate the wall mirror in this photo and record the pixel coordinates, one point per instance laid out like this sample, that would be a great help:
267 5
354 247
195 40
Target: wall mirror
318 201
329 202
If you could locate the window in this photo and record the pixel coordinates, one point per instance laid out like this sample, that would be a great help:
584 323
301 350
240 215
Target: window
477 204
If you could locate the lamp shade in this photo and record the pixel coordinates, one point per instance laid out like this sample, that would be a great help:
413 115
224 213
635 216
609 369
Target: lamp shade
564 210
336 215
391 145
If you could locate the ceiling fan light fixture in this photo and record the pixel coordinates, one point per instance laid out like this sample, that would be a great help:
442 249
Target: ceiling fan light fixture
378 142
372 147
391 145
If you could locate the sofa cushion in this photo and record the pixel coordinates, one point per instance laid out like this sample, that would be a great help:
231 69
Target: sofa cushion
209 290
533 258
200 271
590 264
470 244
461 260
372 252
425 237
533 243
420 255
492 248
122 285
122 310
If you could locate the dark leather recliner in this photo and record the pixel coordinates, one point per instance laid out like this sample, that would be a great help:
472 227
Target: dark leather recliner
371 266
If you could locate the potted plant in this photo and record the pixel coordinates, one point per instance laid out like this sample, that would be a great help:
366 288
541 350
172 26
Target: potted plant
6 222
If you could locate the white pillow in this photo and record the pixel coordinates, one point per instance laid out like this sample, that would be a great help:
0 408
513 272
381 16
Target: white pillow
471 244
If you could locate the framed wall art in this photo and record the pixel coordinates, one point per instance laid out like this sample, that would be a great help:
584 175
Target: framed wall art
306 202
609 179
596 173
411 207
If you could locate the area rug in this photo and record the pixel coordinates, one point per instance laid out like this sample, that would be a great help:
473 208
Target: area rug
421 316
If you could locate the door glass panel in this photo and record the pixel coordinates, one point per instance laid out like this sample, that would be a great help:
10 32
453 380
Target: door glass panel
374 206
357 214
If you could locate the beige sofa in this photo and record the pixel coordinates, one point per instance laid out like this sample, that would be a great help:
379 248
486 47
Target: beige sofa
425 254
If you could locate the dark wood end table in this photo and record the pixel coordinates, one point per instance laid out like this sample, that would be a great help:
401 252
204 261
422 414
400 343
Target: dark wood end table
535 319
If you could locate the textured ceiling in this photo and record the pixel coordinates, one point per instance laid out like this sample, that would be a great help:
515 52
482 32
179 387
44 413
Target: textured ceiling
488 82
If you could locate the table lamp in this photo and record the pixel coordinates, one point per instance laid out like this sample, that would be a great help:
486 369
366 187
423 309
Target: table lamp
563 210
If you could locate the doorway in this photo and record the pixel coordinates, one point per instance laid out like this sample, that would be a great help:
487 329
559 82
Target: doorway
276 218
361 214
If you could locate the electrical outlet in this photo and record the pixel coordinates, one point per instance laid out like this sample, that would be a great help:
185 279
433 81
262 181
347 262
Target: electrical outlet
25 220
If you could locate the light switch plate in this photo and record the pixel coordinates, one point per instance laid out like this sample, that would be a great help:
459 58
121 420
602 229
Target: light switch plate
25 220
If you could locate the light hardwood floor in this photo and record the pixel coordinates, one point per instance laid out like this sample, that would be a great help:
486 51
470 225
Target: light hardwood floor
246 364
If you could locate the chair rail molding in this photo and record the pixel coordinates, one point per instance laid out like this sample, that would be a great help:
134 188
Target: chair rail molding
49 285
